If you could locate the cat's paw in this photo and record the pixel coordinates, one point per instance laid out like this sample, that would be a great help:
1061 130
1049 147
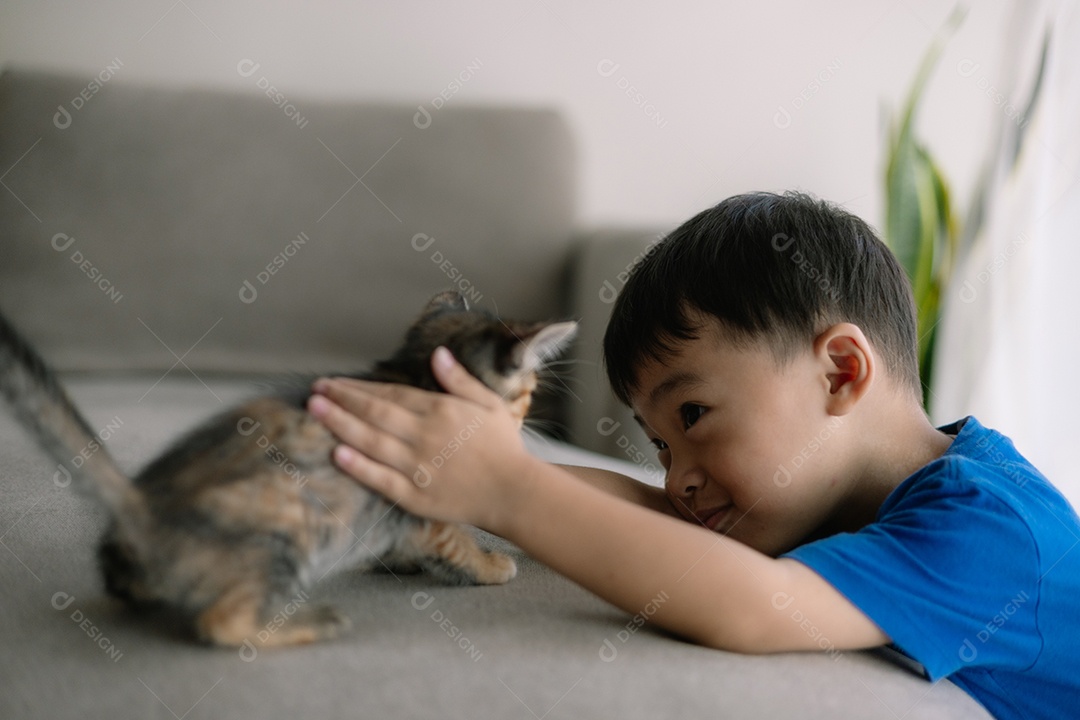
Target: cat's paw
233 621
311 623
328 621
499 569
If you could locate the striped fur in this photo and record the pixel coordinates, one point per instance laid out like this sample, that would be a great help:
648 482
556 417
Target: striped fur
42 406
234 523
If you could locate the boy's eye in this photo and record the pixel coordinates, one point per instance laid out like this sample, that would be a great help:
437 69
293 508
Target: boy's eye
659 444
690 414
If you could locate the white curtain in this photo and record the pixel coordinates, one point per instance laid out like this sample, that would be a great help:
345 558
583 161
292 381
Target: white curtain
1008 348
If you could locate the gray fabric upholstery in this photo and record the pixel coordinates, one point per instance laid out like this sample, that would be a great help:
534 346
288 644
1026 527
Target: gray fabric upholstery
172 199
597 420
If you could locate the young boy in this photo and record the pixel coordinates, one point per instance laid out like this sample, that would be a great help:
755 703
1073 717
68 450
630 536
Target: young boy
767 347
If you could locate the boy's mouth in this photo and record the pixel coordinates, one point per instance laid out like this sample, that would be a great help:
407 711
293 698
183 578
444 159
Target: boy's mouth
714 517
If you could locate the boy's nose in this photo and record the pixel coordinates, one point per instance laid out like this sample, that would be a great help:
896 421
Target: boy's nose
684 482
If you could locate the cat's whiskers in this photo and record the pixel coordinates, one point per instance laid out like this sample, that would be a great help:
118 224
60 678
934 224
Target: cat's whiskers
570 361
552 380
558 383
538 426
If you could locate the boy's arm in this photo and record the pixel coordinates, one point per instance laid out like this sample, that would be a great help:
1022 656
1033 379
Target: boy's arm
682 577
624 487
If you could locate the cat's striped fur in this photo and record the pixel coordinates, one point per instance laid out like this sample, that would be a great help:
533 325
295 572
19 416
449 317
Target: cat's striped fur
247 511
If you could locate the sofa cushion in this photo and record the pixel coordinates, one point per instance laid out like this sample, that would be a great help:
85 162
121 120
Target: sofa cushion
145 227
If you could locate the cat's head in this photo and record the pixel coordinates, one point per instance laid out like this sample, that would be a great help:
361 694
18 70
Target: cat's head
504 354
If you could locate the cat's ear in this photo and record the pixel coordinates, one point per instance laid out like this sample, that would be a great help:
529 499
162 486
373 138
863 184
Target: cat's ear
446 300
542 343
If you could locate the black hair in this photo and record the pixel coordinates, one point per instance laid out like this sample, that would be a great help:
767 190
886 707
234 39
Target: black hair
778 268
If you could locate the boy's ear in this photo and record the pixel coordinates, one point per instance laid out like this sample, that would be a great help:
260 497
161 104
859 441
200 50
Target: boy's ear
849 363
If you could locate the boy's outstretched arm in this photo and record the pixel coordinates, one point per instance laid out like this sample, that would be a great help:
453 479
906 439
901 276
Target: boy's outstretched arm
703 586
624 487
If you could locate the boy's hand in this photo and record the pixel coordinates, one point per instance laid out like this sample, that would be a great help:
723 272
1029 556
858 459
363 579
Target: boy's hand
459 458
456 457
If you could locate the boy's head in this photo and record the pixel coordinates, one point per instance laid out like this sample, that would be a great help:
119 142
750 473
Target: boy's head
765 267
744 341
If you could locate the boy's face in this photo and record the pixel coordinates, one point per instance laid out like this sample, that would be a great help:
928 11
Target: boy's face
749 449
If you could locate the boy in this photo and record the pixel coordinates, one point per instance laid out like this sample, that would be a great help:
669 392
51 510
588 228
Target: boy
767 347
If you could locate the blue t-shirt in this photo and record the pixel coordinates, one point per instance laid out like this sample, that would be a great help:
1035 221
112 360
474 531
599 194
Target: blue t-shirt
973 569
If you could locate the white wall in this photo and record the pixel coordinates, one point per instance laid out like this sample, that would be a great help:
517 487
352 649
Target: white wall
711 81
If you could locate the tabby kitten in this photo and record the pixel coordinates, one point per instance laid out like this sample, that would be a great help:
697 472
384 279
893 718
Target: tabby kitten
248 510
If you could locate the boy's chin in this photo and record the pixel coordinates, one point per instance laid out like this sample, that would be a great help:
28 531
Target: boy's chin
765 543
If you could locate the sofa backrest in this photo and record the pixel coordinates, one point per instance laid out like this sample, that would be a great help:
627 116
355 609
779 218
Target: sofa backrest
142 226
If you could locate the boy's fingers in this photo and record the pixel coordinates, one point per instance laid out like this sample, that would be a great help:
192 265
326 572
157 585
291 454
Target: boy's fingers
387 482
458 381
406 396
366 438
359 401
450 374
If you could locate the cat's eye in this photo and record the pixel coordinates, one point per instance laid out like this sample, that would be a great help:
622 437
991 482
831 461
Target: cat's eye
690 413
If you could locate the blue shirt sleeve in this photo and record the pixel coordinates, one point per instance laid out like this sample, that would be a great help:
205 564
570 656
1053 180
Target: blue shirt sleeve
949 571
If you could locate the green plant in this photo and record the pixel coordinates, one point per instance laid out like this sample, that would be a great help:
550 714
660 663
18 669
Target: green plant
920 225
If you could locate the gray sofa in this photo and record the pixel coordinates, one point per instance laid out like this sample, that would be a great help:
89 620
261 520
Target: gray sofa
166 247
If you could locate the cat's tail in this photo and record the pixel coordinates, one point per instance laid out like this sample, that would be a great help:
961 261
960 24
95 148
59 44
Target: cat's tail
43 407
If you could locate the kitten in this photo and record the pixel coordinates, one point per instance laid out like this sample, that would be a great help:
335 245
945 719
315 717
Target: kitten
248 510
